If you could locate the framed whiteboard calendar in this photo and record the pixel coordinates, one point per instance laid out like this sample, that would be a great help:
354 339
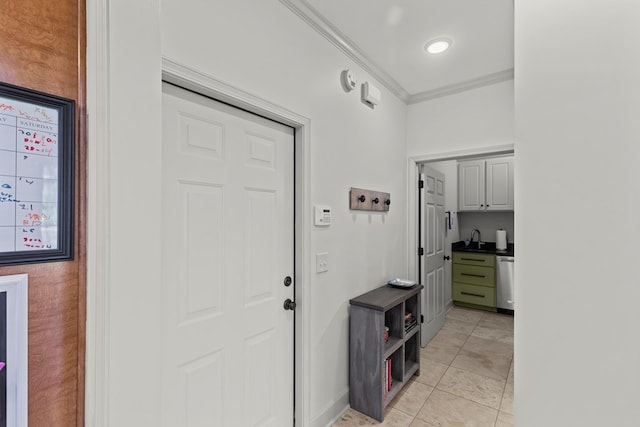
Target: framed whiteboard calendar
36 176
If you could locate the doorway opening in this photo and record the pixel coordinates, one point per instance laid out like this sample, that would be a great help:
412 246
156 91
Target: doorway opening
447 164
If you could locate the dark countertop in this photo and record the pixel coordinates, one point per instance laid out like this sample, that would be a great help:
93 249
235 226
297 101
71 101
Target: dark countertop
487 248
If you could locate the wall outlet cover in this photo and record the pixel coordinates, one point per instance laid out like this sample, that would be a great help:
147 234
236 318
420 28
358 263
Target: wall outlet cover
322 262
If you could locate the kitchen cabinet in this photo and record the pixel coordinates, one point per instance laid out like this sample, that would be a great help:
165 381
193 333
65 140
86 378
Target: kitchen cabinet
384 347
474 280
486 185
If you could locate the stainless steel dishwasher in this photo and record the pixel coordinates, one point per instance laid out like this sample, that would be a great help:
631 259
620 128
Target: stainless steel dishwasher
504 283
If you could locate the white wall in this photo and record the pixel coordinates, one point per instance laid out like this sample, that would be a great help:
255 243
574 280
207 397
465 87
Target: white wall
473 119
262 48
123 301
577 344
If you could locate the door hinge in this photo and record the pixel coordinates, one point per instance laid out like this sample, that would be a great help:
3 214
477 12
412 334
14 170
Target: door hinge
420 251
422 318
420 184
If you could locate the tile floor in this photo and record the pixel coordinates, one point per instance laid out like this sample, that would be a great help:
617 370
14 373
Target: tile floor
466 377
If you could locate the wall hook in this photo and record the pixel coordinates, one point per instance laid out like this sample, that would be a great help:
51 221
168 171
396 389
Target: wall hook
369 200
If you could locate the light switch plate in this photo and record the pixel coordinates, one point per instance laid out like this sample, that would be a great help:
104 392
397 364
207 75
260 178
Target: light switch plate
322 262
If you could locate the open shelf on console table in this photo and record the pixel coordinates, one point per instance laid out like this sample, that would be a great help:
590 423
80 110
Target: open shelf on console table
368 351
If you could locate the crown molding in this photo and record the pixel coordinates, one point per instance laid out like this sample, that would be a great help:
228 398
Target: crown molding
319 23
486 80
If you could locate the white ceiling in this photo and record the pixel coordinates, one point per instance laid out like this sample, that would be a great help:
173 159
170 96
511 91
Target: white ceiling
387 38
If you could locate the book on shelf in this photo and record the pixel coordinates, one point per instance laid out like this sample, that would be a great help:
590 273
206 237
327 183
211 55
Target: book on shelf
409 321
388 378
384 376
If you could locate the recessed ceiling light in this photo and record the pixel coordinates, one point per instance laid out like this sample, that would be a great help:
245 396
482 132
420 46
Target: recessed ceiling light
437 45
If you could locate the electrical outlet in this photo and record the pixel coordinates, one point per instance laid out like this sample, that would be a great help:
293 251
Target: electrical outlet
322 262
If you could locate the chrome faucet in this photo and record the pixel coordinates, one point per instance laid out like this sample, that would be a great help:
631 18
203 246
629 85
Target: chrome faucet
475 230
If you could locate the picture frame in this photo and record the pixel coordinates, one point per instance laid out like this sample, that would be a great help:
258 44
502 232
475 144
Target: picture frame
37 141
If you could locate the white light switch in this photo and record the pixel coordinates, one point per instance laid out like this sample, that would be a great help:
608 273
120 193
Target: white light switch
322 262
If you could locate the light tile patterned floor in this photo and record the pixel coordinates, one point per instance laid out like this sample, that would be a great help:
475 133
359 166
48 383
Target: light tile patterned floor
466 377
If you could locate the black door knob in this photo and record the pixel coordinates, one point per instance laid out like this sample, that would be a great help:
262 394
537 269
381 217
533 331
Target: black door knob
447 257
289 305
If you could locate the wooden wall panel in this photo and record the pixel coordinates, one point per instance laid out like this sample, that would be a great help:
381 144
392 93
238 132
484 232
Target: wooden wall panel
43 48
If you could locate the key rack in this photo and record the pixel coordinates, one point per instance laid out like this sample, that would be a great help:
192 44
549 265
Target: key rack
369 200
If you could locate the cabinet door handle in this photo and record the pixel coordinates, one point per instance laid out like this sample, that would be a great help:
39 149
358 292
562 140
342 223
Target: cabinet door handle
473 259
473 275
473 295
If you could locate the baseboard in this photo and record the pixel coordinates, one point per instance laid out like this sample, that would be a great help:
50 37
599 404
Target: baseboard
448 306
339 416
332 412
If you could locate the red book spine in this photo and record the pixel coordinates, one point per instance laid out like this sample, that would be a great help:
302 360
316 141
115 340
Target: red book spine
384 373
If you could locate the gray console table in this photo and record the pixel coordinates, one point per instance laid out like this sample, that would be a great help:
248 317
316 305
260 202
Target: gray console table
399 310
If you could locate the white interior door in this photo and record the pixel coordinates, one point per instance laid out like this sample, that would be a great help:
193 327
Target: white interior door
433 222
227 188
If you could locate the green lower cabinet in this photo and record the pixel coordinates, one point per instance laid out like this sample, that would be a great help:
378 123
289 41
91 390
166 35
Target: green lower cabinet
474 275
474 294
474 280
466 258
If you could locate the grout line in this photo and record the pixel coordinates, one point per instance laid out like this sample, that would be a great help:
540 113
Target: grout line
468 400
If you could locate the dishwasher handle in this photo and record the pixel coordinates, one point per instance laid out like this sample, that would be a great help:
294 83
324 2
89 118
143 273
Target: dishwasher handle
506 260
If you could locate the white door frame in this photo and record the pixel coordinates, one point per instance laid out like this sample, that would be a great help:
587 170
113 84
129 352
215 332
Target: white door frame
191 79
413 165
97 373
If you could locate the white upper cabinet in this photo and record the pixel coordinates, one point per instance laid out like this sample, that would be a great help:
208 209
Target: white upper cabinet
499 184
471 185
486 185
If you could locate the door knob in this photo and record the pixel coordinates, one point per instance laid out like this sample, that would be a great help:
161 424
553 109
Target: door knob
289 305
447 257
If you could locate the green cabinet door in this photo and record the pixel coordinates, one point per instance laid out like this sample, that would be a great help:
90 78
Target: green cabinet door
472 274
